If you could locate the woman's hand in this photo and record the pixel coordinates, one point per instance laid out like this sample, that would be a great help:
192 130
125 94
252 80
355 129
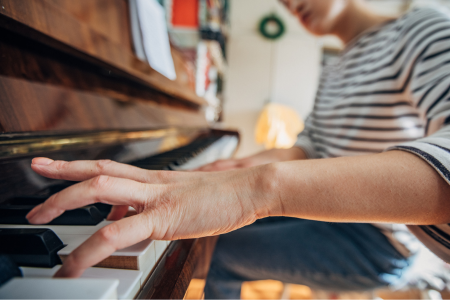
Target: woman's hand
170 205
262 158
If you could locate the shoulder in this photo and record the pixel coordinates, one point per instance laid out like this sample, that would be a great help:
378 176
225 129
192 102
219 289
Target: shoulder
427 13
416 29
423 27
423 18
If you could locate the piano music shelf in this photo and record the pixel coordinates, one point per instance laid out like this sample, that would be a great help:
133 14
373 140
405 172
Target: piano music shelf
49 23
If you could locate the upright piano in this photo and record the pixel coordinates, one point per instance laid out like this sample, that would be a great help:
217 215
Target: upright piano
71 88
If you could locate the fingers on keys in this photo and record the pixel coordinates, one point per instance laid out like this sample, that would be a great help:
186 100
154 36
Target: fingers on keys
103 243
105 189
86 169
117 212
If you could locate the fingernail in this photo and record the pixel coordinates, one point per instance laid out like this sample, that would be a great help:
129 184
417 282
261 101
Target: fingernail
43 161
33 212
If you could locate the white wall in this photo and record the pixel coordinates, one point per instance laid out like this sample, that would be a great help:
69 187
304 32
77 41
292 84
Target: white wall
285 71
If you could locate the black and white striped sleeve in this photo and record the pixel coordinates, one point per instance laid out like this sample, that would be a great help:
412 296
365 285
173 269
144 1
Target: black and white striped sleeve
429 91
305 143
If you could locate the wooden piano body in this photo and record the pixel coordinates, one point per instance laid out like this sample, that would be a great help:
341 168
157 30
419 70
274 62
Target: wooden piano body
71 88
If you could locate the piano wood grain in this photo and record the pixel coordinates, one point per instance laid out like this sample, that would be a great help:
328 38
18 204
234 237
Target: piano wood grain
41 107
27 59
107 17
52 23
176 268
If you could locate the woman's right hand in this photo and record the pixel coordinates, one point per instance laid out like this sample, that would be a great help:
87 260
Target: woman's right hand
262 158
170 205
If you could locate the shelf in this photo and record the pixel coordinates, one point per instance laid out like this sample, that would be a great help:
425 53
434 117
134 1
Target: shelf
48 23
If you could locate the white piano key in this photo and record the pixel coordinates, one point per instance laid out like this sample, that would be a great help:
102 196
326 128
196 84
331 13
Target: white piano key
221 149
64 229
160 247
129 280
75 240
228 147
49 288
143 252
147 268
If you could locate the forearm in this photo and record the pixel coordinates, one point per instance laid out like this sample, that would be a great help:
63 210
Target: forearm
393 187
279 155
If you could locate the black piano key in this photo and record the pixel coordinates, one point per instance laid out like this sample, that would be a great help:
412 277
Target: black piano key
84 216
104 209
8 269
53 189
27 200
31 247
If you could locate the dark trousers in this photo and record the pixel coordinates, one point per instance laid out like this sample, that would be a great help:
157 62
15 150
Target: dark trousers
321 255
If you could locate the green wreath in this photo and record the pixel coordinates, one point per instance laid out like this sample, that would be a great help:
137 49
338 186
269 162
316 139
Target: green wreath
268 21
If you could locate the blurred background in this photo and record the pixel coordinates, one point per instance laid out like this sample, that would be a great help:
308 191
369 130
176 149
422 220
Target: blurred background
239 71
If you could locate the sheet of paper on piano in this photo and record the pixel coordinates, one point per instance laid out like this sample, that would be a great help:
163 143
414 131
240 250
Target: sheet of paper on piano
150 36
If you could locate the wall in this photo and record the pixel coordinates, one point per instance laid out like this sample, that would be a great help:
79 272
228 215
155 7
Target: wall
285 71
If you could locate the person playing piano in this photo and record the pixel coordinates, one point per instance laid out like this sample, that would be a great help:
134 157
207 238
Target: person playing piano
375 151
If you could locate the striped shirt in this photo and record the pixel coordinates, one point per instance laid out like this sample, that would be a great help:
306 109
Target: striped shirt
389 90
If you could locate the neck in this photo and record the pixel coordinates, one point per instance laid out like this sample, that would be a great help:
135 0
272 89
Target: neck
356 19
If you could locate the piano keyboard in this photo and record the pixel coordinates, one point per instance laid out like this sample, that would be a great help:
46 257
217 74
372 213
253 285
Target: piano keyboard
223 149
123 274
45 288
129 280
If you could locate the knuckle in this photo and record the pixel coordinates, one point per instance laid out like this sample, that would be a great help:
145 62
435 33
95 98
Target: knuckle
165 176
109 234
142 197
52 201
60 165
159 176
100 182
103 165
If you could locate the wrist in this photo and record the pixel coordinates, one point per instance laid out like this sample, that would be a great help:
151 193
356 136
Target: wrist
294 153
266 191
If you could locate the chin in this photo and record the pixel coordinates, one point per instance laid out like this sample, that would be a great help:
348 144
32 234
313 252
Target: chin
316 30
